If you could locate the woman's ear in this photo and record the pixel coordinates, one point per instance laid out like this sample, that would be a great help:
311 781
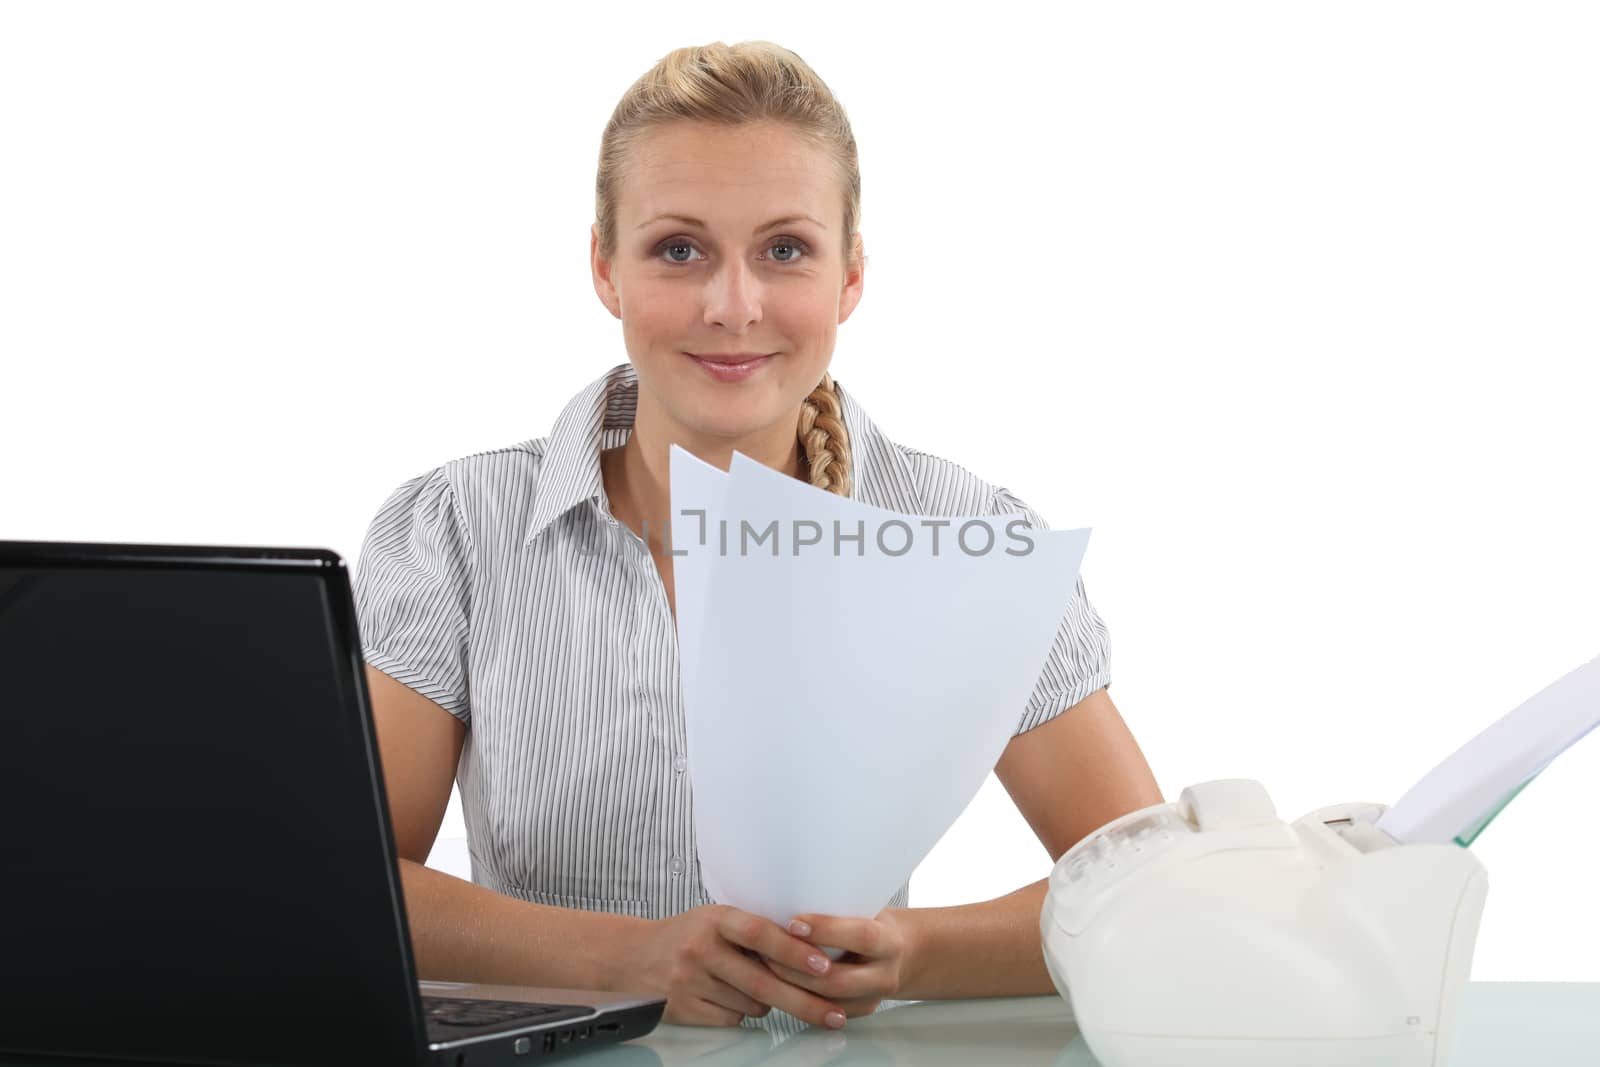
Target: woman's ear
854 278
601 269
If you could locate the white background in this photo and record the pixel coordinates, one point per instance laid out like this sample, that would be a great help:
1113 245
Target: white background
1294 304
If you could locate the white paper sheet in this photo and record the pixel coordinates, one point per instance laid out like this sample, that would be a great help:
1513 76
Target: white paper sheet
843 707
1458 795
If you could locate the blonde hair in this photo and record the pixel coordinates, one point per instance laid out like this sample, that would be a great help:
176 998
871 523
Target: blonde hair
752 81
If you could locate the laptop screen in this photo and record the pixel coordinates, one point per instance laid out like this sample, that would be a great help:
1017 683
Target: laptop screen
196 861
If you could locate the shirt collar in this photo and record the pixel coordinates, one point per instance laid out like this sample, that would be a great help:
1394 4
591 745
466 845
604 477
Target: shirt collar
601 417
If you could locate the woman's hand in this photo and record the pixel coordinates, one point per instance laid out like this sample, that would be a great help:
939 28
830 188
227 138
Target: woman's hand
698 960
869 971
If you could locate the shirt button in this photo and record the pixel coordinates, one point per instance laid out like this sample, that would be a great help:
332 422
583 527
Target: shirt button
680 764
676 866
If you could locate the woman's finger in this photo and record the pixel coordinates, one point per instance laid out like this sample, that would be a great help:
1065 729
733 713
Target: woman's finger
766 938
724 995
846 981
862 936
699 1012
757 980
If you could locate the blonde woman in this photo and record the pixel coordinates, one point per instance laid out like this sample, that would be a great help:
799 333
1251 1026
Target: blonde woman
516 605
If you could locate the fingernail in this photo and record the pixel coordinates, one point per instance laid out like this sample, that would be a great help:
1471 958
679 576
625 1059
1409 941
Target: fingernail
818 963
835 1019
799 929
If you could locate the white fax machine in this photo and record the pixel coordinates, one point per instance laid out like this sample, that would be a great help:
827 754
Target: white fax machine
1210 933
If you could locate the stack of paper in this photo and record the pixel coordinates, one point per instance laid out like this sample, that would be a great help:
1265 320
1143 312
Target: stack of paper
850 677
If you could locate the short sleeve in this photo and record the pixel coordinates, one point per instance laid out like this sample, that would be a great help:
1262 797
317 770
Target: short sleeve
1080 657
413 592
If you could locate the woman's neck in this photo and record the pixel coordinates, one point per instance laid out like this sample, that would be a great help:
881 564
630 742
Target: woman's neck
635 475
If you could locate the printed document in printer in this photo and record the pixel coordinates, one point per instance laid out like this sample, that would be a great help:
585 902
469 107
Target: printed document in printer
1459 797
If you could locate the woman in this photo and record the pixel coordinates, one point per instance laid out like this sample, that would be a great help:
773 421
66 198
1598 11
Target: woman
516 606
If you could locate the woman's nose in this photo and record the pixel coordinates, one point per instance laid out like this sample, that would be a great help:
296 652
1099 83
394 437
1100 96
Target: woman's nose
733 296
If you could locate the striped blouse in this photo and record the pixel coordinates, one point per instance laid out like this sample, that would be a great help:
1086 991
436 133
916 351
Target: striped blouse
487 585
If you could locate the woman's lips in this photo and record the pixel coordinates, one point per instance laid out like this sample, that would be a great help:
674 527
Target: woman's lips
731 369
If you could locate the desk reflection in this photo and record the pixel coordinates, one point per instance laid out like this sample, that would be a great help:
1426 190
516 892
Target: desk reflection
1548 1024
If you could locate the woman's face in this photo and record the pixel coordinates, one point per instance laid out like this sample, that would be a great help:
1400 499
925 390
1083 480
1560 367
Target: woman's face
728 249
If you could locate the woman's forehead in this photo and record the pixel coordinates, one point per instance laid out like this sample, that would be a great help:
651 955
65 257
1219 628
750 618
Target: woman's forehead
728 175
690 139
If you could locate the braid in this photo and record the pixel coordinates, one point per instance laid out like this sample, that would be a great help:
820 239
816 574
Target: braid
824 440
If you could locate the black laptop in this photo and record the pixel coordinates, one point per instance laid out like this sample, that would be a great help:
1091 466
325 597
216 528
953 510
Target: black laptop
197 859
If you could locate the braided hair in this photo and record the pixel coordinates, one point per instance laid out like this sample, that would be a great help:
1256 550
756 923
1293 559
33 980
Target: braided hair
823 439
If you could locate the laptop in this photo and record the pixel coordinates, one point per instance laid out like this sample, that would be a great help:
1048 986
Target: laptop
198 862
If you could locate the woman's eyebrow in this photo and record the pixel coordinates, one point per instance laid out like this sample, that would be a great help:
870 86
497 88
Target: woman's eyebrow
785 220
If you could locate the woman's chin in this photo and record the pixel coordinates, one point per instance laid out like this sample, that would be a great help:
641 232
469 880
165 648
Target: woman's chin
730 426
733 414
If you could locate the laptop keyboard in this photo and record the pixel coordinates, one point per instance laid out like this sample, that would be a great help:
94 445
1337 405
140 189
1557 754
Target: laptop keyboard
467 1011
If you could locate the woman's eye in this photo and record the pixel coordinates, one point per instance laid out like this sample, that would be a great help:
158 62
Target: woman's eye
786 250
794 247
674 246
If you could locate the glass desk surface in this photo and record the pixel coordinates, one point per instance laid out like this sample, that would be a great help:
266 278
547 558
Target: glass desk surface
1541 1024
1537 1024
